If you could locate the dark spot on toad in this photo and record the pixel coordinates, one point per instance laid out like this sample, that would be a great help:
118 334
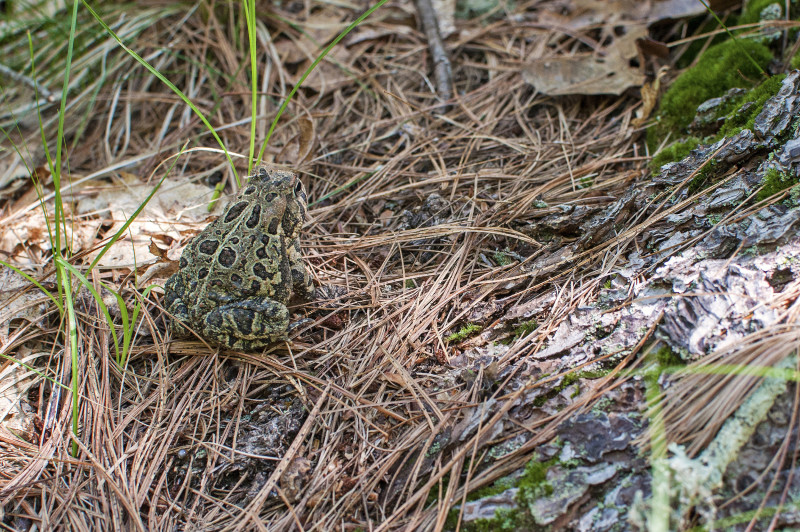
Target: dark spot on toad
208 246
235 211
214 319
260 270
227 257
255 287
202 273
236 279
261 253
273 226
249 190
244 320
183 263
269 197
234 240
255 216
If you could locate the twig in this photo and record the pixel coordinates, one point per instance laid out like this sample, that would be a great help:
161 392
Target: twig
442 71
16 76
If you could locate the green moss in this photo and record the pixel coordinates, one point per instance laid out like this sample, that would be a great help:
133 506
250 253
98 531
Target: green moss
526 327
532 485
521 330
502 259
775 181
593 374
433 493
496 488
752 251
795 61
505 520
674 152
465 332
752 11
700 25
666 357
702 176
533 482
743 116
722 67
568 380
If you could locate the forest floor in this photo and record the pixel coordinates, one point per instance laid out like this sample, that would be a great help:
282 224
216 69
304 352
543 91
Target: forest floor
503 281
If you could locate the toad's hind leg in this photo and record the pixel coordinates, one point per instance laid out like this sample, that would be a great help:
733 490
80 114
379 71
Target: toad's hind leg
247 323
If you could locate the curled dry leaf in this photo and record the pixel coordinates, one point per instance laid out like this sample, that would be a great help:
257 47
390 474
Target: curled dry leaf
589 73
178 199
19 303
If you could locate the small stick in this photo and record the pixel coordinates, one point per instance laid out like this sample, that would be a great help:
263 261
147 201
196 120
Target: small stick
16 76
442 71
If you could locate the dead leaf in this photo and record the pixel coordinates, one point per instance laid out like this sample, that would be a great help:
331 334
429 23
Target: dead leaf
580 14
295 478
650 93
19 302
16 414
178 207
589 73
395 378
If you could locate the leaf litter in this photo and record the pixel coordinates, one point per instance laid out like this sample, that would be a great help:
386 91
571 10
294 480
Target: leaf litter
531 217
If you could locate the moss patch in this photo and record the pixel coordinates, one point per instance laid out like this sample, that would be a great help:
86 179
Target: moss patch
666 357
795 61
722 67
753 9
744 114
775 181
465 332
532 485
674 152
740 113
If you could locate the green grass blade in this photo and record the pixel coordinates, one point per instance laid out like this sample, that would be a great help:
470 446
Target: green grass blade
35 283
311 68
136 213
250 15
55 168
99 300
66 287
166 82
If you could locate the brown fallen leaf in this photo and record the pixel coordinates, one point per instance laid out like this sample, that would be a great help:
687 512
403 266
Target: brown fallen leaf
589 73
650 91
